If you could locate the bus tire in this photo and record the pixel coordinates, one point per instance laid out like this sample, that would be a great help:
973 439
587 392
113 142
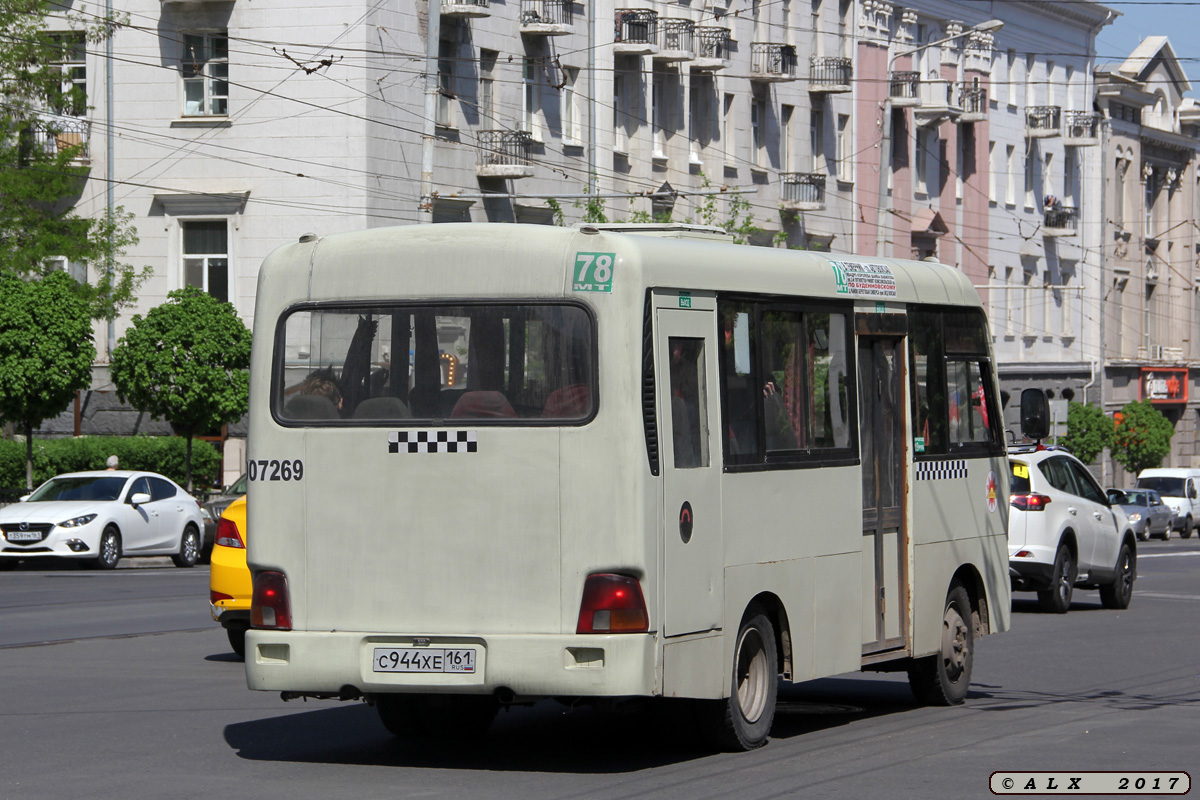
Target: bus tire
743 720
943 679
437 716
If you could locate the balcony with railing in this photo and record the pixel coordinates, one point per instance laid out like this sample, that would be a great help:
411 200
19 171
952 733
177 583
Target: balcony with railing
636 32
905 89
772 63
1042 122
1081 128
466 8
974 102
939 103
504 154
802 191
1060 221
547 17
829 74
62 133
676 40
712 48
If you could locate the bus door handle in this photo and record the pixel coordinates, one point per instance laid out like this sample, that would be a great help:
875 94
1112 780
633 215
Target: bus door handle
1098 515
1072 510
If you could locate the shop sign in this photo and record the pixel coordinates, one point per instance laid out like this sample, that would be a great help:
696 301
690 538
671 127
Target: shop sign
1164 385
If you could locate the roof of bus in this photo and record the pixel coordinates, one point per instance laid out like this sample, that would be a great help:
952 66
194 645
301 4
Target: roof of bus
515 260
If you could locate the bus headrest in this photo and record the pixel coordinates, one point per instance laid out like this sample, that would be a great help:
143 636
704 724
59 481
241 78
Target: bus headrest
476 405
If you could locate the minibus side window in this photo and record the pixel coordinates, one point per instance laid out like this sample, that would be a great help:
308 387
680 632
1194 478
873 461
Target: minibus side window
689 403
786 387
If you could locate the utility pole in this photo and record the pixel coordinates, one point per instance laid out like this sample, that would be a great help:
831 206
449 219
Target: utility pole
109 173
433 35
591 90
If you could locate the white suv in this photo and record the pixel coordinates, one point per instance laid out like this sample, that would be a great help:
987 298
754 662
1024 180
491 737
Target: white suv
1063 533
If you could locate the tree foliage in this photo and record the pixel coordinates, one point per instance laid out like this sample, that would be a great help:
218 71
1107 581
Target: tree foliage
43 164
1089 431
1143 437
187 361
46 351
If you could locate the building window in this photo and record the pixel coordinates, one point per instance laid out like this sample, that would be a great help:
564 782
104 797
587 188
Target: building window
206 256
786 133
71 99
487 90
572 128
529 97
727 128
76 269
816 139
1030 188
993 171
845 159
1010 160
446 81
701 113
205 71
1119 192
758 133
1010 77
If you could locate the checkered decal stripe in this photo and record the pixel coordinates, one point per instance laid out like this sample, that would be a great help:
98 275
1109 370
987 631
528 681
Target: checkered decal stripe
941 470
432 442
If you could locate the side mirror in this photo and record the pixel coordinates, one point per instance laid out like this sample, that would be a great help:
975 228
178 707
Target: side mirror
139 498
1035 414
24 497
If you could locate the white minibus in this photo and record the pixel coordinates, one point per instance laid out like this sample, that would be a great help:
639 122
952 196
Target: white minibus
492 463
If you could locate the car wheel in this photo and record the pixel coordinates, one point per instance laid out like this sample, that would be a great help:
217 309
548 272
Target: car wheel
1056 598
109 552
237 637
743 720
1118 593
1167 531
943 679
189 548
1186 533
1143 535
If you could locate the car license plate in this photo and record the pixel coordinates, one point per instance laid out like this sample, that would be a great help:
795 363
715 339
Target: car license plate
24 536
425 659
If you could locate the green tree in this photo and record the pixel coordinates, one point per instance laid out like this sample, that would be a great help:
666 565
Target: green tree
46 352
1089 431
187 361
43 149
1143 437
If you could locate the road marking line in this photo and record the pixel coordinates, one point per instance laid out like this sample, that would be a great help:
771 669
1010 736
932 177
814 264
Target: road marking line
1169 555
1169 596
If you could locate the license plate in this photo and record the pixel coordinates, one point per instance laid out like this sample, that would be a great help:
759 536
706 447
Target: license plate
24 536
425 659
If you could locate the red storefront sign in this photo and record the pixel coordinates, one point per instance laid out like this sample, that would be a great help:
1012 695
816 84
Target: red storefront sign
1164 385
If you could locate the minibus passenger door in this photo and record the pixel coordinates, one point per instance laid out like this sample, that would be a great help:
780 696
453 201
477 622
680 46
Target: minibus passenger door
686 380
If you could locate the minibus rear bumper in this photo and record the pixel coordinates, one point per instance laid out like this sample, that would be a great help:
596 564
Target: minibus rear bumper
593 665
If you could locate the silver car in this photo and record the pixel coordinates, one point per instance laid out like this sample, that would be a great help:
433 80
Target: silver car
1148 514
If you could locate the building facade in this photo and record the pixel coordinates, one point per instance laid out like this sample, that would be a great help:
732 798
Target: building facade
235 128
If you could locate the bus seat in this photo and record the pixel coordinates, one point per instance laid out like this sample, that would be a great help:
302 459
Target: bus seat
485 405
569 402
310 406
382 408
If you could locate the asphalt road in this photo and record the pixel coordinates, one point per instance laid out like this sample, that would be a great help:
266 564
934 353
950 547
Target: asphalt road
138 696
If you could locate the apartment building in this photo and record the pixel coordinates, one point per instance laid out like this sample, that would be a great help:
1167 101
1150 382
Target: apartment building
1151 320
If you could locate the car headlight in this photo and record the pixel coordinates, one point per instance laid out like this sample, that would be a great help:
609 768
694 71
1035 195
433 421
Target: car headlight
78 522
1135 516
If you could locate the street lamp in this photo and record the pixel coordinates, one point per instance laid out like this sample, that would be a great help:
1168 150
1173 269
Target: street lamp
885 143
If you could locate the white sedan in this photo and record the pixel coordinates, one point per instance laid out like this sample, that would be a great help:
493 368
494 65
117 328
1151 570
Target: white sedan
102 516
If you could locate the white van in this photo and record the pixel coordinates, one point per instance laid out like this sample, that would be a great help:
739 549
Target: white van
1178 489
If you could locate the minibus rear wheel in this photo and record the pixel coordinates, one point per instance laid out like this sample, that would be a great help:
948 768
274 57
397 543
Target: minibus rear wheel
436 716
743 720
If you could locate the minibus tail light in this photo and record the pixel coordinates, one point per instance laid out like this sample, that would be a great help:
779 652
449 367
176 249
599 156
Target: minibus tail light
228 534
271 607
612 604
1029 502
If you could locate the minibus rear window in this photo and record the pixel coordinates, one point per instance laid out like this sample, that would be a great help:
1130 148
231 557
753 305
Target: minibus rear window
520 363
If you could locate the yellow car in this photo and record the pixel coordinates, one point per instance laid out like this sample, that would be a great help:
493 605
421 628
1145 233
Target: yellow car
229 584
